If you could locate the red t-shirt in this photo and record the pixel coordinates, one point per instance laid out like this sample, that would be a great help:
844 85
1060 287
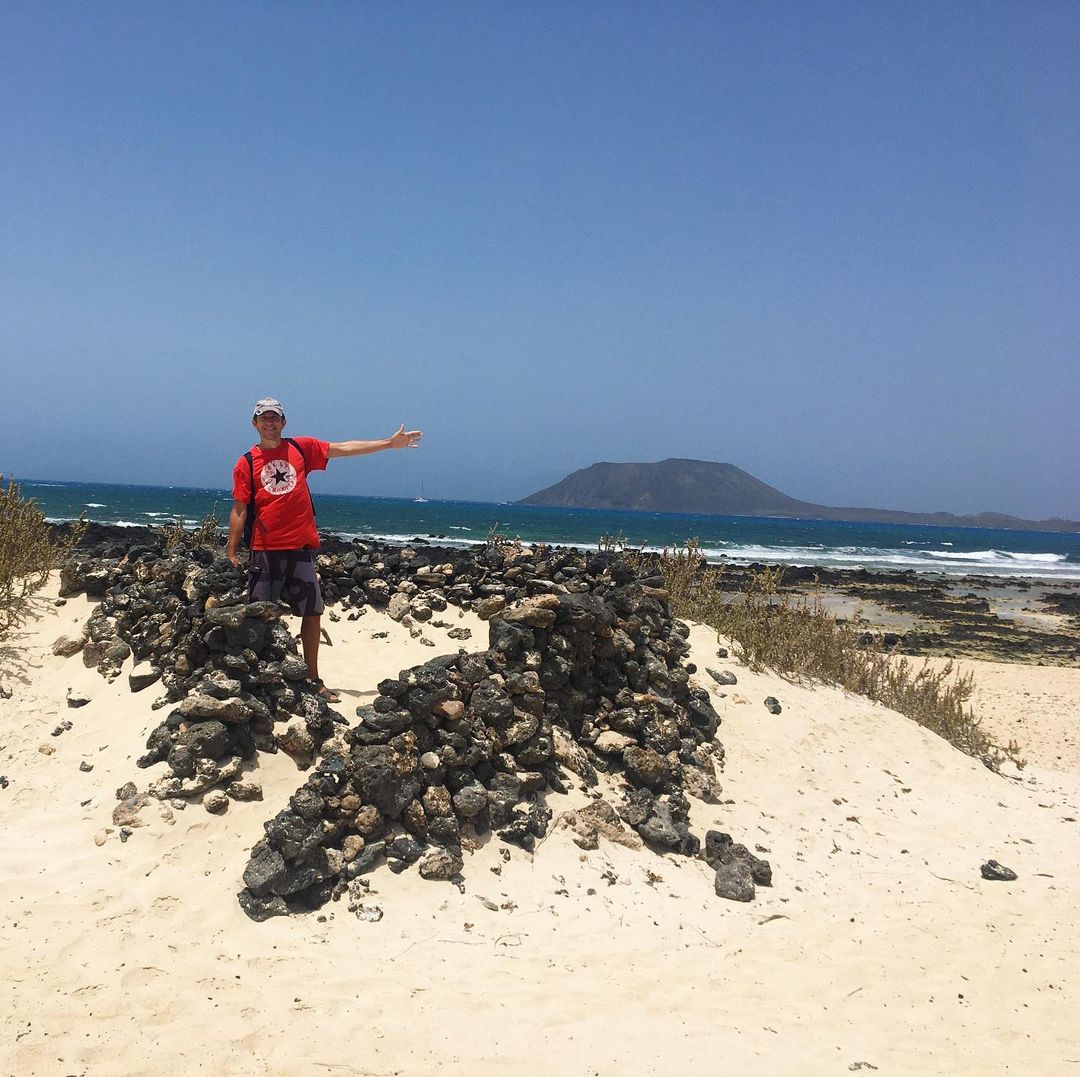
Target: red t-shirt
284 519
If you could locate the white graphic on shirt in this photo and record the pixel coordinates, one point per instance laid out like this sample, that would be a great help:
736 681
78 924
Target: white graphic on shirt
278 477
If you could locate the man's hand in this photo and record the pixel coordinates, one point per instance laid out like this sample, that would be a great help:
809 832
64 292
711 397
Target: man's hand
402 439
405 439
234 557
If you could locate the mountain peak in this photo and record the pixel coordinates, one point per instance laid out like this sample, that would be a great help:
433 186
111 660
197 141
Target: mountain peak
709 488
671 485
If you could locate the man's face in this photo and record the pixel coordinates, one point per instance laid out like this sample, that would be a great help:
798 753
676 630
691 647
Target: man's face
269 424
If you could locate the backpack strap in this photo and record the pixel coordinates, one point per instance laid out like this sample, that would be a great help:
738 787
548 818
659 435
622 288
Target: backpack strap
296 446
249 523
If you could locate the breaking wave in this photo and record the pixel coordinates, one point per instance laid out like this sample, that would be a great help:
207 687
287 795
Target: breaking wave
948 562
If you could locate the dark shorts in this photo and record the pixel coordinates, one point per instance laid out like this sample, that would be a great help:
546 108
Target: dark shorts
285 574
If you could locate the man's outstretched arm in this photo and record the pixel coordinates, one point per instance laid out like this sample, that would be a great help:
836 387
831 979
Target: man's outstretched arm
402 439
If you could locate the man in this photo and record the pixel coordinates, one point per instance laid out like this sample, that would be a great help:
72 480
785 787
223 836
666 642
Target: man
284 536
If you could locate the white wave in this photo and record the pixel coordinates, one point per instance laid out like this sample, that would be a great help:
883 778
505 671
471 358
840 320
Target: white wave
156 515
94 505
452 527
944 562
405 540
992 556
1032 566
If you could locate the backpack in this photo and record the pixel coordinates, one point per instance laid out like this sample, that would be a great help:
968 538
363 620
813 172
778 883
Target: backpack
249 523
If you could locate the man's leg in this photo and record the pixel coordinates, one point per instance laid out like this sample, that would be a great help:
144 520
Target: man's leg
310 628
305 599
265 576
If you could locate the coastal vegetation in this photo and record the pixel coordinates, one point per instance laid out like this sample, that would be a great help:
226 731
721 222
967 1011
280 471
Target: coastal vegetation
206 533
798 638
28 553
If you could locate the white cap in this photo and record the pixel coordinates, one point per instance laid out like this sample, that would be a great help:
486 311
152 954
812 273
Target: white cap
268 403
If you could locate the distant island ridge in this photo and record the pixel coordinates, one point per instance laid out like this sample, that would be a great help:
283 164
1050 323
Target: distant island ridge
712 489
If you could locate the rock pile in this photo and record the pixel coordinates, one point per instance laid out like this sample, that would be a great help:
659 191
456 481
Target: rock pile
590 681
230 668
584 673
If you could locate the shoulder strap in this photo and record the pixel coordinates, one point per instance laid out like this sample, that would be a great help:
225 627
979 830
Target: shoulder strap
249 523
295 445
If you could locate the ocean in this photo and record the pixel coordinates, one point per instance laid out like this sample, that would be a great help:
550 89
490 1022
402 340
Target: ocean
829 544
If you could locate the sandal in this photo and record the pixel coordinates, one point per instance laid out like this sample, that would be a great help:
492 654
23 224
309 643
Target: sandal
327 693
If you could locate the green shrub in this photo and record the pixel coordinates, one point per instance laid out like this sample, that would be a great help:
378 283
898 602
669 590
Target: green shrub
28 553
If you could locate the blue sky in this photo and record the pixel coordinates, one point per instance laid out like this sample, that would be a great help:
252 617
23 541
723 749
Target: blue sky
835 244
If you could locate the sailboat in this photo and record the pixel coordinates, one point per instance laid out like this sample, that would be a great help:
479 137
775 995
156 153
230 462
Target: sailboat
421 500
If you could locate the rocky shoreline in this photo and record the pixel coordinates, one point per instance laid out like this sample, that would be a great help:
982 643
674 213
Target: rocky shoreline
1014 619
991 618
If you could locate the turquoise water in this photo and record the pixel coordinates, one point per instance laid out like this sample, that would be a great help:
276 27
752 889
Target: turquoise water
952 551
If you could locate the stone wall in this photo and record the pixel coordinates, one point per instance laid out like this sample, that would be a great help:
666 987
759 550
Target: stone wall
584 674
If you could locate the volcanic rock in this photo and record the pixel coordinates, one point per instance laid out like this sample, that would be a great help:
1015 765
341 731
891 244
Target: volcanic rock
722 676
734 881
126 813
204 706
68 646
216 802
241 790
142 676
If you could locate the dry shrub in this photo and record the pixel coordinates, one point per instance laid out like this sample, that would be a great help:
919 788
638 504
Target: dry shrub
500 541
800 639
28 553
616 544
206 533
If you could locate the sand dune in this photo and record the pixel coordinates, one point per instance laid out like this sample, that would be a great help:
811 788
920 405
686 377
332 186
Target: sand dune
879 942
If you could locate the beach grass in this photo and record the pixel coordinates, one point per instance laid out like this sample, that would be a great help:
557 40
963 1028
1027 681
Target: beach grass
29 552
799 639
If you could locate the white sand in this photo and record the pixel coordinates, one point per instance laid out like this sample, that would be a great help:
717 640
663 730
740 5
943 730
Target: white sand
879 942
